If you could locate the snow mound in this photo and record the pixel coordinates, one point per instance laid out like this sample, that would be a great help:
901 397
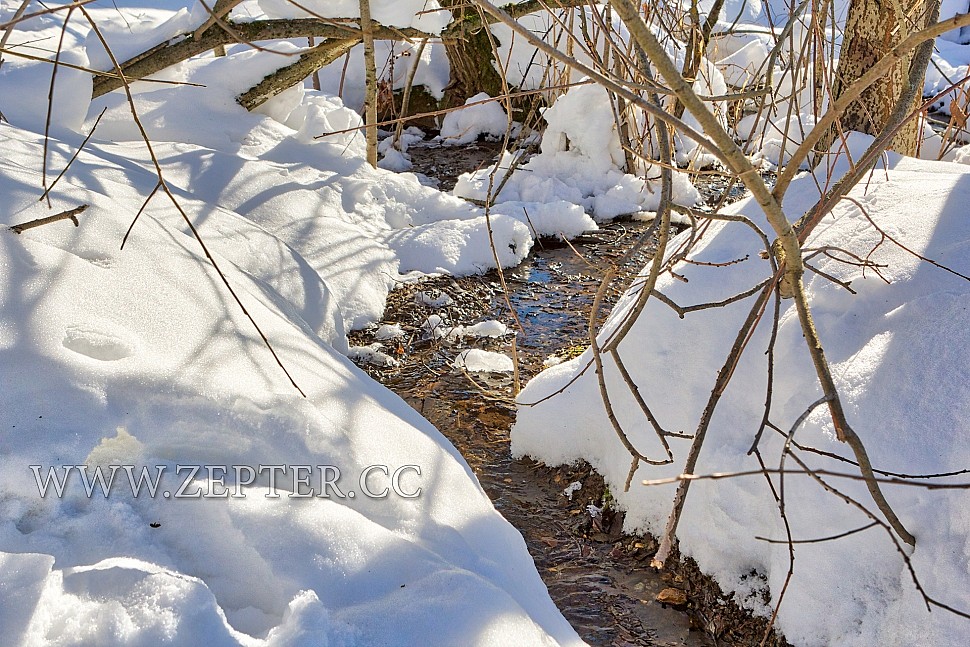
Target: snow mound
358 227
141 357
440 329
476 360
898 352
371 354
389 331
489 328
579 164
434 299
559 219
462 246
469 123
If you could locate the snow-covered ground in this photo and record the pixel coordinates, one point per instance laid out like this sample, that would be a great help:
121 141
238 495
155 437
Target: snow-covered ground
898 351
139 357
143 357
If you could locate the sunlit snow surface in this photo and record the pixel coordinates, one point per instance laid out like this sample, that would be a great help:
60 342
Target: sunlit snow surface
141 356
899 355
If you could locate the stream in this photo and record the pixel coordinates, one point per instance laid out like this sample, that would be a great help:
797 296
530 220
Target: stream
599 578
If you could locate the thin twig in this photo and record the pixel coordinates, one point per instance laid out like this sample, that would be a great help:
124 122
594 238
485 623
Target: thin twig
75 155
70 214
818 540
185 217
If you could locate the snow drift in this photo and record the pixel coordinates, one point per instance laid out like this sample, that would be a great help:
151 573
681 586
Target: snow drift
898 351
140 357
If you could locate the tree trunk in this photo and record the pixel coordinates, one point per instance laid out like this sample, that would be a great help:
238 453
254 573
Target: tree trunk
370 75
470 57
873 28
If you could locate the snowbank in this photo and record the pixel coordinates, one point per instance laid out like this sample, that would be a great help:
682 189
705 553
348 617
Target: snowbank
141 357
484 361
898 352
474 120
357 226
579 164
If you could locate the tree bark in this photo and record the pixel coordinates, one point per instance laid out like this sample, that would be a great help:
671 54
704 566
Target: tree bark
370 75
286 77
872 29
470 57
700 37
185 46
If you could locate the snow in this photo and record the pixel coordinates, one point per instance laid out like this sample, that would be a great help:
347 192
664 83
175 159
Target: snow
389 331
580 164
476 360
30 81
437 326
394 160
95 327
394 155
128 38
744 66
435 299
489 328
377 224
393 61
572 489
461 246
141 356
557 218
903 394
372 354
480 116
780 139
441 329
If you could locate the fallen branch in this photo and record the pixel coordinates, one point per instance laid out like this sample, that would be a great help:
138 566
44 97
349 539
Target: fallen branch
286 77
185 46
207 36
70 214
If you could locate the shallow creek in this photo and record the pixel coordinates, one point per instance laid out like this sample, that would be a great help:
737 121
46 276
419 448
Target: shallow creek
599 578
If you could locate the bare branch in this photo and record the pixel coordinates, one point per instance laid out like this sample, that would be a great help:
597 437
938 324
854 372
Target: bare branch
70 214
295 73
184 46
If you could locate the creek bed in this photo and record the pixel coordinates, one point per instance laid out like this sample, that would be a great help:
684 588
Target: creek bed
599 578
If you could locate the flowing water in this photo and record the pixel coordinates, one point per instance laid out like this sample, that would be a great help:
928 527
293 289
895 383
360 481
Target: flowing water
599 578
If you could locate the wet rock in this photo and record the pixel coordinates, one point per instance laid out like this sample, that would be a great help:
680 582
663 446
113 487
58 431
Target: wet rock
673 597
